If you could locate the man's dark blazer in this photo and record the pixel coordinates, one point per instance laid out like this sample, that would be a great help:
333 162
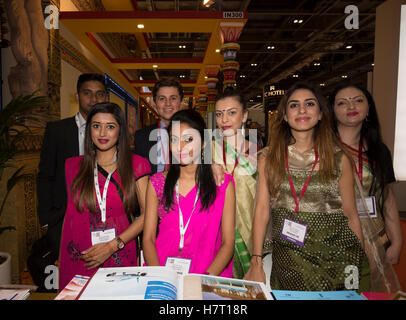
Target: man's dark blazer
143 145
60 142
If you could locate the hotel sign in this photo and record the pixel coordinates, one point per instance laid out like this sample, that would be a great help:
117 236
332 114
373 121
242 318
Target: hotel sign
270 91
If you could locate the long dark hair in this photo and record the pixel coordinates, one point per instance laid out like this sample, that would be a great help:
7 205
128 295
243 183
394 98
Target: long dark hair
83 184
371 136
204 175
281 137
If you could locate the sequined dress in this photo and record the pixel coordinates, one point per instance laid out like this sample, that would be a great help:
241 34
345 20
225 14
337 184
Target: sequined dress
330 249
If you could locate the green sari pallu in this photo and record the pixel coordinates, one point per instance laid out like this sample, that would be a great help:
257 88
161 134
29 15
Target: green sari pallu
245 188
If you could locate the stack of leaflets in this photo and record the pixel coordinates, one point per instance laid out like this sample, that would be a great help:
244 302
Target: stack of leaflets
14 294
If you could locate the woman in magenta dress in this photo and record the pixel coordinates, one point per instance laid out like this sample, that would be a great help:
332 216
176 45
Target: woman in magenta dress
200 232
103 188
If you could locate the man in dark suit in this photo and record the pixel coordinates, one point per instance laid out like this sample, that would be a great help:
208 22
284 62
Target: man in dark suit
63 139
152 142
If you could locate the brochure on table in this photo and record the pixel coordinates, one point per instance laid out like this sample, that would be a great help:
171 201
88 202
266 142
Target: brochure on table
162 283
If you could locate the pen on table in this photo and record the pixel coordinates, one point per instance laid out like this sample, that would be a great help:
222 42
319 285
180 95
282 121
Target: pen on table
15 295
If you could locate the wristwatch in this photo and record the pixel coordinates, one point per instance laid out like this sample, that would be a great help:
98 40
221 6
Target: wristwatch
120 243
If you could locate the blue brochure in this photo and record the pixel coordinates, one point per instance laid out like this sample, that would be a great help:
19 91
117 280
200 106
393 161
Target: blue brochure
316 295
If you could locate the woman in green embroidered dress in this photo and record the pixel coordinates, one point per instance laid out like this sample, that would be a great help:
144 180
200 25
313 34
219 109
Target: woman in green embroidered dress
306 192
237 156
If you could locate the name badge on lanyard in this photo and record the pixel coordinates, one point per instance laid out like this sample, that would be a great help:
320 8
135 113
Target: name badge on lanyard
293 231
182 228
105 235
370 209
102 236
180 265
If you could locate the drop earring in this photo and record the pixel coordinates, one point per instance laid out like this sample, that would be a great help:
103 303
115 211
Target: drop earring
243 129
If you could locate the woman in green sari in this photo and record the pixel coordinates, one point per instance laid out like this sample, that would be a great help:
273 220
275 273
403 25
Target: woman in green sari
237 156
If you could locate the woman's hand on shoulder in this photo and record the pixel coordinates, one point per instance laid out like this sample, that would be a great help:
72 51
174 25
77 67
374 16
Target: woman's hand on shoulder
218 173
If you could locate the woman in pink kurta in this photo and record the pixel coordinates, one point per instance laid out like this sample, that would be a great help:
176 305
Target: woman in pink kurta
196 224
203 235
82 251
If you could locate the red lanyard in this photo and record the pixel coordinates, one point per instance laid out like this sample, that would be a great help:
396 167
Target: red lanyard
306 184
358 170
224 160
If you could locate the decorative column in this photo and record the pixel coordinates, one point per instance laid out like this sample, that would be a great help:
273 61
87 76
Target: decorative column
201 104
229 33
37 69
211 71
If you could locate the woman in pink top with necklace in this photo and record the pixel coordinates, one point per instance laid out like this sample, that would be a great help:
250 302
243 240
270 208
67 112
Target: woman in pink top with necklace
197 218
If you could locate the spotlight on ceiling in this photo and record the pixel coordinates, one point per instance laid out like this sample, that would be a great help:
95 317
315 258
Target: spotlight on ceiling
208 3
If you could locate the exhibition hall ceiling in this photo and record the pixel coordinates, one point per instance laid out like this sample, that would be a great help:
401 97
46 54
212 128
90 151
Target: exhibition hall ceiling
282 41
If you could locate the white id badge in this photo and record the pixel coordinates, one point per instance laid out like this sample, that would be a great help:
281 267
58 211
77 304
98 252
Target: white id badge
180 265
371 210
294 232
102 236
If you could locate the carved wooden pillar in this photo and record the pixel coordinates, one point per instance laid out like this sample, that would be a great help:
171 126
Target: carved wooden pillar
54 69
21 206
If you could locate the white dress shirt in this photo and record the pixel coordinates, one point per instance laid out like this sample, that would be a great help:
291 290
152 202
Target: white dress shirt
81 123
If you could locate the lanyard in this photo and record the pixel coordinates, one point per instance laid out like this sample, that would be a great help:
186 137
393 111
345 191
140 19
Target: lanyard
102 200
304 188
225 162
358 170
182 229
166 160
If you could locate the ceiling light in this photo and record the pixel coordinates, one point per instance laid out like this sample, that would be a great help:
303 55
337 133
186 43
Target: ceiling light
270 47
348 47
297 21
208 3
140 26
154 66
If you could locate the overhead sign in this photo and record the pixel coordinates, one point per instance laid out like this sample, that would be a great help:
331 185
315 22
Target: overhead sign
270 91
233 15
